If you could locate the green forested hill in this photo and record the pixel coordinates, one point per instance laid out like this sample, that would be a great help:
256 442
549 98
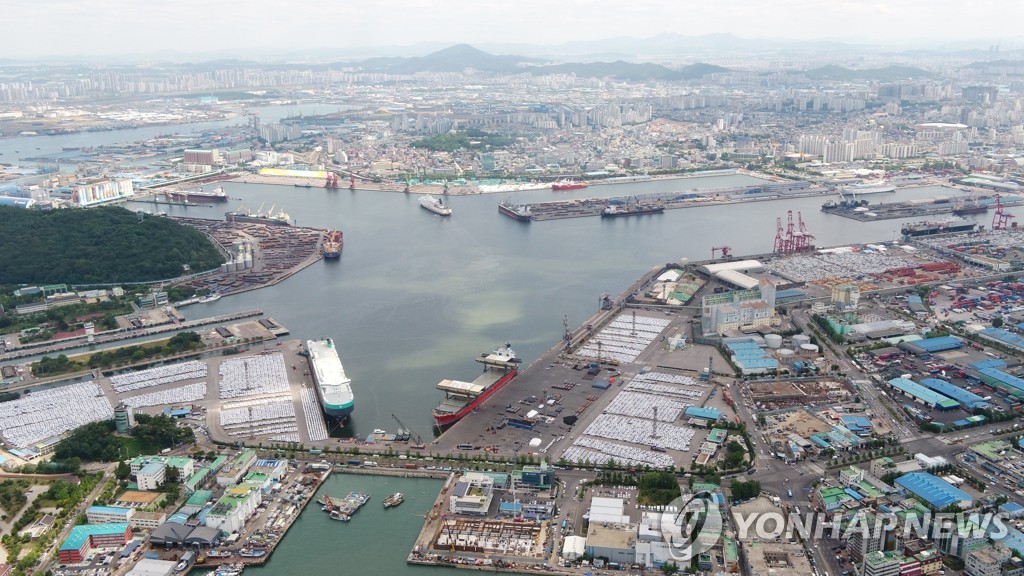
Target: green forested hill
99 245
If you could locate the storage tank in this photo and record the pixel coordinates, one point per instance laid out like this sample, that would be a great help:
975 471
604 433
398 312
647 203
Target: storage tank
801 339
809 349
773 340
786 352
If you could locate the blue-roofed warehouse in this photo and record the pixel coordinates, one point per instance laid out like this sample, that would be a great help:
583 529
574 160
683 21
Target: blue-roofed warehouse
859 425
923 395
705 413
1008 383
1004 337
932 345
990 363
968 399
933 490
751 358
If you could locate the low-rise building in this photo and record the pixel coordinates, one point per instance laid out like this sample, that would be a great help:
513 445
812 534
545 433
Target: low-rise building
986 560
235 469
613 543
151 476
148 520
472 495
108 514
82 538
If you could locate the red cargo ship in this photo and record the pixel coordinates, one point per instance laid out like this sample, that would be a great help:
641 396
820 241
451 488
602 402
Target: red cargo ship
461 398
568 185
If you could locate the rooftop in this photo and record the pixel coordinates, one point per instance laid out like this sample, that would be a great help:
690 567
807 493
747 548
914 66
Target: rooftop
79 534
934 490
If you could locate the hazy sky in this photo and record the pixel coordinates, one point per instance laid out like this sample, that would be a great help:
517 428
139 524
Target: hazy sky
89 27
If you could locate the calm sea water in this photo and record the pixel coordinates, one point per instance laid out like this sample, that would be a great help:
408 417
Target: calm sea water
415 297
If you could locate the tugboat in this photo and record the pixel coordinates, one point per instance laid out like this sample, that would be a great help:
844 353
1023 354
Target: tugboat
394 500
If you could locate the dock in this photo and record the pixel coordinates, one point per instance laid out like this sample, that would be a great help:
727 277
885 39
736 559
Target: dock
588 207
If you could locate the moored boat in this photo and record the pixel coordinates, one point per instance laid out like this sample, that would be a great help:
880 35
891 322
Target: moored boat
435 205
394 500
930 228
519 212
615 211
332 385
201 195
568 185
461 398
279 218
333 243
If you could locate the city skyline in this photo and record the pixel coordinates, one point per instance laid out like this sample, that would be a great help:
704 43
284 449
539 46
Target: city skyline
88 28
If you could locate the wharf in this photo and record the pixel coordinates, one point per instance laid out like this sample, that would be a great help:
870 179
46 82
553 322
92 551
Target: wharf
901 209
587 207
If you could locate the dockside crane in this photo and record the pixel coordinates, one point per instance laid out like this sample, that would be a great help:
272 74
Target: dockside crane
415 440
725 250
1001 219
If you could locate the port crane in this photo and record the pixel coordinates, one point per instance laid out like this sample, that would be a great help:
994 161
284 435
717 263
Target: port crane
414 439
725 250
794 237
1001 219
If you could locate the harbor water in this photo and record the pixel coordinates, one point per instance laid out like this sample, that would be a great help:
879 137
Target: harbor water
415 297
376 541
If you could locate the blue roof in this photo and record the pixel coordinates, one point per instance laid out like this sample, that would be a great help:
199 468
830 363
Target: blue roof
152 468
854 422
854 494
178 518
937 344
129 548
990 363
700 412
914 299
789 293
932 489
959 394
1003 336
1004 378
79 534
1011 507
817 440
922 393
108 510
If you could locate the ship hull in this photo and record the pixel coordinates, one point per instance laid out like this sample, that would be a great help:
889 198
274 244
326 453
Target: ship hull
513 214
971 210
562 187
438 211
232 217
331 254
641 212
196 197
445 420
933 230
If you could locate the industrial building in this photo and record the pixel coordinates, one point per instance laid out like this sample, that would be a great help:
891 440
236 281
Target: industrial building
968 399
749 357
101 191
1006 383
234 508
704 413
932 345
740 308
233 472
151 567
923 395
82 538
934 491
185 466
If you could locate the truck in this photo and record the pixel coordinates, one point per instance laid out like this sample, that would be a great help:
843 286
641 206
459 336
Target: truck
355 462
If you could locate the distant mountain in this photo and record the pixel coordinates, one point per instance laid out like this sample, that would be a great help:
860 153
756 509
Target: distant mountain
887 74
452 59
629 71
462 56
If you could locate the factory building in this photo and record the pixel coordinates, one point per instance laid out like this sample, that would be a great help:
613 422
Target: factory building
923 395
934 491
83 538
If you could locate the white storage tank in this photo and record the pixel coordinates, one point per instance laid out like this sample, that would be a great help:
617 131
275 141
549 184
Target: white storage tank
800 339
786 352
773 340
809 349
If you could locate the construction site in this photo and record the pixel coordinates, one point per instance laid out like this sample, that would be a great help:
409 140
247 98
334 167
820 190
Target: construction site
773 395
